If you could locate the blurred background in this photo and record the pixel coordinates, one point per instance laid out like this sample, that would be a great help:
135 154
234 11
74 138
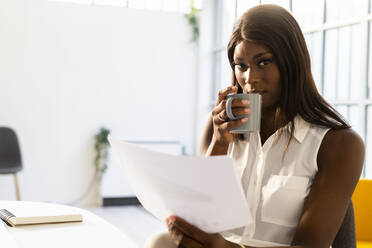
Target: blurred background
149 71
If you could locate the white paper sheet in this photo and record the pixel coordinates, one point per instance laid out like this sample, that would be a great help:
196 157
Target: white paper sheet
205 191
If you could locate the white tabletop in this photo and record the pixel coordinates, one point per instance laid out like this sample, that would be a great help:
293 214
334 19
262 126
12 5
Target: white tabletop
92 232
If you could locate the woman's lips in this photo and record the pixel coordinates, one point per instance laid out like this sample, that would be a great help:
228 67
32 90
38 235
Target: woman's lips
254 91
259 92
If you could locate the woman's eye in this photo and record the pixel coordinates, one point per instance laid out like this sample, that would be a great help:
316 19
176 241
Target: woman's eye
241 66
264 62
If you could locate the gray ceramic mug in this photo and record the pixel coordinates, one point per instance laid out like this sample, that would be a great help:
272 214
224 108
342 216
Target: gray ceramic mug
254 118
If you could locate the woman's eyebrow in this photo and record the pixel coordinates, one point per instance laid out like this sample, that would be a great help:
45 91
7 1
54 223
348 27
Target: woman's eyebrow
254 57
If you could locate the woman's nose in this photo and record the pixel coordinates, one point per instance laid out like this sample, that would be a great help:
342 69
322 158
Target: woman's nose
250 78
246 75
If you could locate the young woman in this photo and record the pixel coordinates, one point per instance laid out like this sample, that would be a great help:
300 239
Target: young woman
300 170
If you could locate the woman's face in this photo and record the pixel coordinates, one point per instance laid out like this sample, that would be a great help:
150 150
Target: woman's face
256 71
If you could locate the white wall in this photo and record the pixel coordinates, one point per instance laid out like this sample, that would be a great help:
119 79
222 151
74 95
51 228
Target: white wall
67 69
205 89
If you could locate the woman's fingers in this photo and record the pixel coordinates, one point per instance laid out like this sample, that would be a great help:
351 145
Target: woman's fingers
237 103
240 111
219 108
190 230
222 116
228 125
232 124
187 242
221 123
175 234
180 238
224 92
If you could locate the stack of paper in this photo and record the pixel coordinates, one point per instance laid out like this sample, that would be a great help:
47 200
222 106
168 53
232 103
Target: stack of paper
205 191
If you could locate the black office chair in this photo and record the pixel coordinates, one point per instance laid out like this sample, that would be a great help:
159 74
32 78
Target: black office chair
10 155
346 237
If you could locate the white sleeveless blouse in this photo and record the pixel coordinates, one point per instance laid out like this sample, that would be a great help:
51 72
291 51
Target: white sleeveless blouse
275 185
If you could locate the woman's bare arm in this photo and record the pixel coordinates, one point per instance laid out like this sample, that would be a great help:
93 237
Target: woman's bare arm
209 146
206 137
340 162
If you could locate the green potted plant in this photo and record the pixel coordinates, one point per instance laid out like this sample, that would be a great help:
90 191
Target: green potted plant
101 147
193 19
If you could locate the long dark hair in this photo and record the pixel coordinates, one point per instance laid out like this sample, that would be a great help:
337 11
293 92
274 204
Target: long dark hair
276 28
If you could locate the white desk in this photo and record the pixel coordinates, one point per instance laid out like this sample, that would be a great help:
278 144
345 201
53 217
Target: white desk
92 232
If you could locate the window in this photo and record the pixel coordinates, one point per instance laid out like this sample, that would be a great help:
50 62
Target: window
182 6
338 34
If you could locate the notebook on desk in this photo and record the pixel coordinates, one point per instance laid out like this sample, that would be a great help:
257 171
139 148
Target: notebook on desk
12 220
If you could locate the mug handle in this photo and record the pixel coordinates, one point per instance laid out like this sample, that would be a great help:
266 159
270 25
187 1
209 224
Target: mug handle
228 109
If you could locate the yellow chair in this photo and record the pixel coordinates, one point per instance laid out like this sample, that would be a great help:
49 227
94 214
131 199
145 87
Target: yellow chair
362 200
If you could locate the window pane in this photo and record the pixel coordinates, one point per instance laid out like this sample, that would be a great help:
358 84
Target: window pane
368 169
244 5
77 1
339 10
357 119
333 10
343 110
226 72
308 13
283 3
198 4
137 4
350 9
223 73
330 64
357 87
184 6
370 61
316 59
110 2
353 9
169 5
217 74
343 74
154 4
228 20
314 46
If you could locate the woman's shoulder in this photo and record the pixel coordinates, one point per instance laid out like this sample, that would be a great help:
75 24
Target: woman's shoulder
343 138
341 147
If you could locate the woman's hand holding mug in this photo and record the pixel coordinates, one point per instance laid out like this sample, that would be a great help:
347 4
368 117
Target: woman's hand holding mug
221 124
